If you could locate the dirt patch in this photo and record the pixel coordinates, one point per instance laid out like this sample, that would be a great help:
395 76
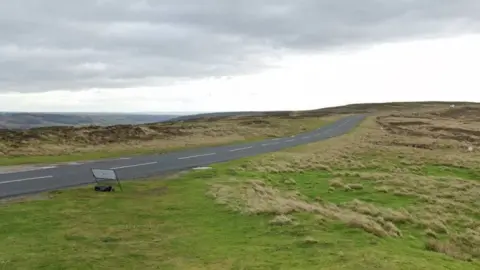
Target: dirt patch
456 131
415 145
409 123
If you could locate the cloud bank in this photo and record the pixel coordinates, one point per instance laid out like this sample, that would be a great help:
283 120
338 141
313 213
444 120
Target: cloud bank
74 45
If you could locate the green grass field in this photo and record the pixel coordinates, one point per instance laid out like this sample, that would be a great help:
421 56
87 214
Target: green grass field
172 224
336 204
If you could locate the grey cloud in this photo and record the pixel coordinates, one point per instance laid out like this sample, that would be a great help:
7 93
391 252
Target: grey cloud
57 44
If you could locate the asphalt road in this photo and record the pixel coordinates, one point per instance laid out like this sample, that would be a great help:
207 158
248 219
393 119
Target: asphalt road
79 173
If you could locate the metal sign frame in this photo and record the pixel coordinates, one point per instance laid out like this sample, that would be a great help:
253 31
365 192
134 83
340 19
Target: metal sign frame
115 177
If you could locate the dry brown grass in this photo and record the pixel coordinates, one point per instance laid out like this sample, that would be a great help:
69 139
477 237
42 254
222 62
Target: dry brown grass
256 197
384 146
281 220
69 140
388 154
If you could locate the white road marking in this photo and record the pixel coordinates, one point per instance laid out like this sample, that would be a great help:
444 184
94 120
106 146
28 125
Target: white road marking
306 137
290 140
240 149
342 124
265 144
29 170
202 168
209 154
47 167
75 163
26 179
134 165
111 159
106 160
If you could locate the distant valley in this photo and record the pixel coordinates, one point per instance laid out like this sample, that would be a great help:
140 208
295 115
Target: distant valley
17 120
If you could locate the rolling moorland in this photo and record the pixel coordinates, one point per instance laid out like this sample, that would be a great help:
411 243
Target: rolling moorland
50 144
14 120
25 120
400 191
57 144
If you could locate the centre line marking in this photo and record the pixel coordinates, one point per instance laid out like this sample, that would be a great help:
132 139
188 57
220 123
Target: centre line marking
74 163
26 179
289 140
134 165
265 144
239 149
29 170
210 154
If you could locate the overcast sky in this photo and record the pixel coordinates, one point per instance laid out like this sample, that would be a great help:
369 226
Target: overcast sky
214 55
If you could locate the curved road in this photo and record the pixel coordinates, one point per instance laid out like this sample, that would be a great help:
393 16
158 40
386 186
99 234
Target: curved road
76 174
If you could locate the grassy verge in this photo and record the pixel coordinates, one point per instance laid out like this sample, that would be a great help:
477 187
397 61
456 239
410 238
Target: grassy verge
345 203
285 127
82 156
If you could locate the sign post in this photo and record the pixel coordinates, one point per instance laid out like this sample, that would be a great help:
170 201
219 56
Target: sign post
105 174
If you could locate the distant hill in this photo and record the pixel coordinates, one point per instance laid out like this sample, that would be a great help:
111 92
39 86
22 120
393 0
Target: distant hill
202 116
344 109
10 120
33 120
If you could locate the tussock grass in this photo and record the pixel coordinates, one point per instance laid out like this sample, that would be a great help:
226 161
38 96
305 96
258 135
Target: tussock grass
256 197
426 160
281 220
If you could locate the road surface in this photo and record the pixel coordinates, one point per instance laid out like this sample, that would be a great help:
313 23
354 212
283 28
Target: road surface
79 173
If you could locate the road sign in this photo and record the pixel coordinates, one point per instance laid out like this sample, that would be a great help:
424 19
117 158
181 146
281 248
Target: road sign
105 174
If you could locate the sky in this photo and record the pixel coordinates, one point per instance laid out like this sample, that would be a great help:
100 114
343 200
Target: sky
225 55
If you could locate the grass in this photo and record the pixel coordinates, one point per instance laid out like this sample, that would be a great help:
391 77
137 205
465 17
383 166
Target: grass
440 170
43 147
171 224
23 160
361 200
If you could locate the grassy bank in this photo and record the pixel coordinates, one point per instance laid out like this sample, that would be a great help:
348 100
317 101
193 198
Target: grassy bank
359 201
